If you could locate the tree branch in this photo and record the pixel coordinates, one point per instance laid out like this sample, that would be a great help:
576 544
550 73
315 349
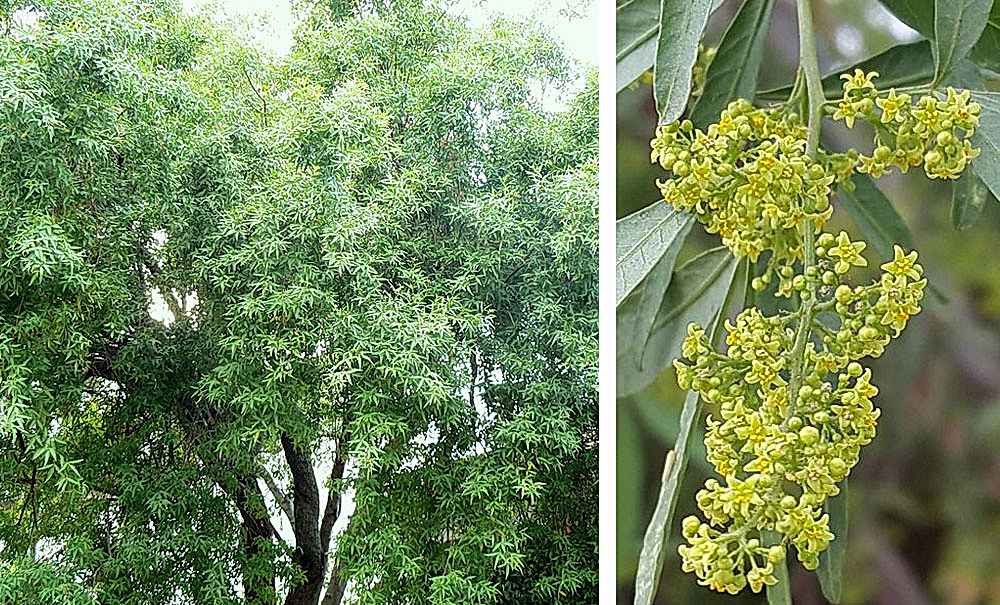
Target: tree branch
334 496
336 585
258 93
279 496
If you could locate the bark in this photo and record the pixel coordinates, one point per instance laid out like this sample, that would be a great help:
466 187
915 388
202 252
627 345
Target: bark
279 496
310 553
258 586
335 588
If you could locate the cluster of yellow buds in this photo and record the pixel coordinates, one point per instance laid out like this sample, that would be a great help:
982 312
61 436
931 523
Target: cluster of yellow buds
792 403
748 179
783 456
930 131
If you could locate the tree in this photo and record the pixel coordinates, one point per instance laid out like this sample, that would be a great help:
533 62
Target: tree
376 259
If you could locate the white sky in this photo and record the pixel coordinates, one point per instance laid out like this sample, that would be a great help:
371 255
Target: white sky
572 22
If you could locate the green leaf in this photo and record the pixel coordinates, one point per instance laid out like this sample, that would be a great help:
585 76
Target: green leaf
657 535
636 26
831 560
900 65
918 14
986 52
696 293
648 243
642 240
733 72
647 576
958 24
780 593
875 216
968 197
681 25
987 138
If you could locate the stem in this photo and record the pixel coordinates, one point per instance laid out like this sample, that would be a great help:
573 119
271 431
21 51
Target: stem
809 66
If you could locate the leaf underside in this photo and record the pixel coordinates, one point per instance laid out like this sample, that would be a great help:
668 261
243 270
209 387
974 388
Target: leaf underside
831 560
681 25
641 239
733 72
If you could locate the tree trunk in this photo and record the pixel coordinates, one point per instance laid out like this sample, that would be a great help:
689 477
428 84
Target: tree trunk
309 554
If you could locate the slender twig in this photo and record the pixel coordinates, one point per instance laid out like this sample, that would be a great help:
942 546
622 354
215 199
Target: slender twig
809 65
260 96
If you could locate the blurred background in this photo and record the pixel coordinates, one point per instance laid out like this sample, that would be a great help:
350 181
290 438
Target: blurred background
925 499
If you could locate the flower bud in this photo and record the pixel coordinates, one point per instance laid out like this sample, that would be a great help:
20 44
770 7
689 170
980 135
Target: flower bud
809 435
691 525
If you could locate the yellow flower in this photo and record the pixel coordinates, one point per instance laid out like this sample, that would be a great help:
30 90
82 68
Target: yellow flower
847 112
847 254
903 264
859 80
892 105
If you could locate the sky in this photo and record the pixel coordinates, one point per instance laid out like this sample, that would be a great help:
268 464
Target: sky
572 22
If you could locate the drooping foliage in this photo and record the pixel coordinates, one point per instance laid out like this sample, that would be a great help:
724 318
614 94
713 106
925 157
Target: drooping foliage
374 261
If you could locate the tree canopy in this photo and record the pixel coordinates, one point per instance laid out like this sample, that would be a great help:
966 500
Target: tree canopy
378 260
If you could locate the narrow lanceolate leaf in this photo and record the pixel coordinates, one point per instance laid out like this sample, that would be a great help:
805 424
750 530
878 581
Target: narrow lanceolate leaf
900 65
654 287
733 72
647 576
831 560
958 24
681 25
987 138
625 346
875 216
654 544
642 239
780 593
696 293
636 26
968 198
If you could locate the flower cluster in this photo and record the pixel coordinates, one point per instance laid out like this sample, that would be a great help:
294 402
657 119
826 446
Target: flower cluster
748 179
782 453
792 402
930 131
